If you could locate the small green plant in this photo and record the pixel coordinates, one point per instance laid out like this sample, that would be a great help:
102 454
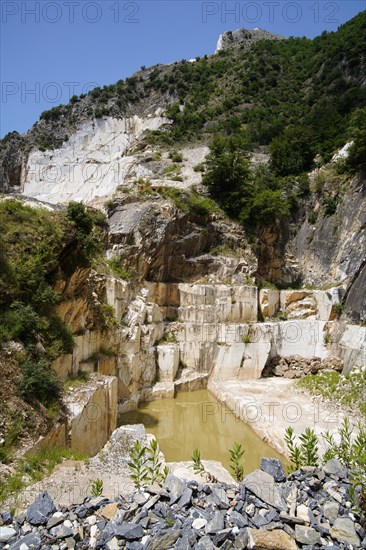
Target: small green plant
172 169
175 156
108 316
246 338
281 315
145 466
119 271
319 181
144 182
305 453
97 488
155 471
199 167
338 309
198 466
76 380
168 338
327 338
312 217
237 460
170 522
137 464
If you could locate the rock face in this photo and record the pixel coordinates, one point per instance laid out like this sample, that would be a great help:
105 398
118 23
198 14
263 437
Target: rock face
92 414
210 329
334 248
92 163
355 299
244 38
161 243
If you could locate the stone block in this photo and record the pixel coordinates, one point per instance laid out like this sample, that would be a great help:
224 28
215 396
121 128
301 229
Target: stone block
168 361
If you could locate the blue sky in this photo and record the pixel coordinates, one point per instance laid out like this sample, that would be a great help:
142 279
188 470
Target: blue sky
52 49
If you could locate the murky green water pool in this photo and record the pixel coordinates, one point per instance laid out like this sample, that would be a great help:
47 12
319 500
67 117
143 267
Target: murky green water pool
197 420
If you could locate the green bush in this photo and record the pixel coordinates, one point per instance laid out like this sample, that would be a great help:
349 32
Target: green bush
20 322
227 175
119 271
86 235
292 152
175 156
357 153
38 382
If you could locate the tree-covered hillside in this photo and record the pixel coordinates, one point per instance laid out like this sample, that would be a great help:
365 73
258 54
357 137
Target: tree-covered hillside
309 83
312 84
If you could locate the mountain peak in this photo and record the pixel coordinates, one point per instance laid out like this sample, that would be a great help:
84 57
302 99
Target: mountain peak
244 38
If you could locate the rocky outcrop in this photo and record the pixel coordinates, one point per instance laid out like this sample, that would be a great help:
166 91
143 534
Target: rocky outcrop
333 249
160 243
244 38
246 349
350 346
355 299
90 417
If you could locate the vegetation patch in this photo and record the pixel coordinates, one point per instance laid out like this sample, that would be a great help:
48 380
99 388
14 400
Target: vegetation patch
34 468
346 390
119 271
38 248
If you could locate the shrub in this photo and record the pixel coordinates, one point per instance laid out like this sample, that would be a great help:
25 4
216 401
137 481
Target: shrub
119 271
304 454
330 205
312 217
86 234
145 466
176 156
357 152
39 382
20 322
292 152
108 316
338 309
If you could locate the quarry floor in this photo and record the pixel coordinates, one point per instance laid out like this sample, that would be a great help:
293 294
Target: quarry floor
270 405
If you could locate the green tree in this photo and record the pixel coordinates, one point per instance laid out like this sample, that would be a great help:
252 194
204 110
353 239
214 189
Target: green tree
266 207
228 173
292 152
357 130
